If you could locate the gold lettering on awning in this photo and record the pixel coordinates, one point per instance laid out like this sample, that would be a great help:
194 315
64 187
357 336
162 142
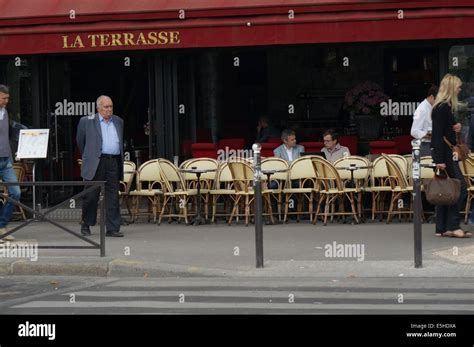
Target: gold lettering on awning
126 39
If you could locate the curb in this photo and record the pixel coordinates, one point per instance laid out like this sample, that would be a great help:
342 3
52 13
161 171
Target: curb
119 267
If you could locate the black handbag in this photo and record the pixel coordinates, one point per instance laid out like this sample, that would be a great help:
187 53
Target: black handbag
442 190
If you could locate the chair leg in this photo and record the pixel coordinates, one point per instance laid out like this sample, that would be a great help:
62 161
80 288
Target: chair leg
287 201
393 199
279 201
165 201
268 199
321 198
247 210
468 206
134 208
326 210
214 208
354 210
234 209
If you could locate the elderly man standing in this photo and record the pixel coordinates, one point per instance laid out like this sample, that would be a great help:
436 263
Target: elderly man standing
7 174
100 141
289 150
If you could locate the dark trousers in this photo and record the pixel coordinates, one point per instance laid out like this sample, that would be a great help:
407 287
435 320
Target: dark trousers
448 217
108 170
425 149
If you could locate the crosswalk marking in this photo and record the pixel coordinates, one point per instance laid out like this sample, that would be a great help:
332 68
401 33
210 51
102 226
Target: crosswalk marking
208 295
266 306
277 294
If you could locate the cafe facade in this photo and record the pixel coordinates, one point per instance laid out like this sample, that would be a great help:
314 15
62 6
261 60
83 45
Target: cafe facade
203 71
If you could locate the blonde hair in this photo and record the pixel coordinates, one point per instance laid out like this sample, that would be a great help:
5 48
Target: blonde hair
447 92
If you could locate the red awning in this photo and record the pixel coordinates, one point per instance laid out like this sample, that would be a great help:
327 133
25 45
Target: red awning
44 26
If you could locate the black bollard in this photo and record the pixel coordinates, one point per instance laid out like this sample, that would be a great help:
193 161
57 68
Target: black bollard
258 204
417 201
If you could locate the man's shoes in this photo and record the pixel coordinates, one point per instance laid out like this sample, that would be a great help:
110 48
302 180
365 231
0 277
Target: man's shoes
9 237
85 230
114 234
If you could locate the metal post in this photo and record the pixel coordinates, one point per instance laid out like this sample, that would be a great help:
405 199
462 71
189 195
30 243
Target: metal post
33 179
417 201
102 219
258 204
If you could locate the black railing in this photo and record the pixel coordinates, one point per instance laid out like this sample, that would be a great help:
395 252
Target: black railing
42 215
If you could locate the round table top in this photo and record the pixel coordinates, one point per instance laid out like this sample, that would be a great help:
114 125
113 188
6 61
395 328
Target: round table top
355 167
190 170
270 171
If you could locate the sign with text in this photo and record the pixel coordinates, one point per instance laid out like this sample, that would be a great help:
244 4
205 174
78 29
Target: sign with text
33 143
124 39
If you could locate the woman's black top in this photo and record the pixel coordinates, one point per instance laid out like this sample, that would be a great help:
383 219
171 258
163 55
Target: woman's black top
443 121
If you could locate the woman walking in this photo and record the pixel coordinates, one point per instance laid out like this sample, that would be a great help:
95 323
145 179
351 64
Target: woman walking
446 104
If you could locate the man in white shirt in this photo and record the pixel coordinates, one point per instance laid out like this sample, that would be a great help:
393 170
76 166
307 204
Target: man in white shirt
421 127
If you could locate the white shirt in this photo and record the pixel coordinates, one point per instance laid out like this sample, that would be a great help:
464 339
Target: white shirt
422 120
289 152
2 112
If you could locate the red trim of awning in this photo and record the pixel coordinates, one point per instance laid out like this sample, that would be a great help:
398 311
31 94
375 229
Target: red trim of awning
35 12
270 29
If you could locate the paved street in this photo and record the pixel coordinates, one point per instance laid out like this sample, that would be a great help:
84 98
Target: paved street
74 295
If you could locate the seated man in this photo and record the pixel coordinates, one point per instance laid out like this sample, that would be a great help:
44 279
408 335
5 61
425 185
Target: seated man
265 130
332 149
289 150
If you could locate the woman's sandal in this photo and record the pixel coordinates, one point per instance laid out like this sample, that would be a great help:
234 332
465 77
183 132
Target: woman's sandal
445 234
459 233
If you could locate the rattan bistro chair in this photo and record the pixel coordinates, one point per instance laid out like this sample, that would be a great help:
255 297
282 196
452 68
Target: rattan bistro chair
206 179
281 179
379 186
243 176
467 169
149 185
129 171
399 187
332 189
360 176
223 190
301 184
176 194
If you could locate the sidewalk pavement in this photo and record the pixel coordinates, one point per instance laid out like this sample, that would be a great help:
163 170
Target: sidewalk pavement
290 250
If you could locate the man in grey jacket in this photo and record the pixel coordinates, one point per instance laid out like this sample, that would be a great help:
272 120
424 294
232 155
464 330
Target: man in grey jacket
289 150
100 141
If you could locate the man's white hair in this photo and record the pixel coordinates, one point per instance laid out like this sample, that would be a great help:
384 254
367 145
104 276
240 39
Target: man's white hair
100 98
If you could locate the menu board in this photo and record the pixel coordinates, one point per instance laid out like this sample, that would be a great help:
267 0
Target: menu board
33 143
